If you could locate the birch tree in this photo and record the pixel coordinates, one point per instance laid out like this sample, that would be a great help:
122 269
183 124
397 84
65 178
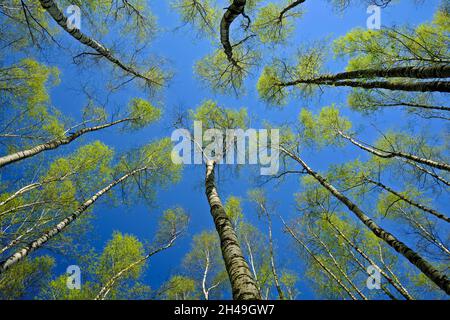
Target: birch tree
151 167
141 113
438 277
213 116
205 265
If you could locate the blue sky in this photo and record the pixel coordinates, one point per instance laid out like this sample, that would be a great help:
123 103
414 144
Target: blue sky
181 48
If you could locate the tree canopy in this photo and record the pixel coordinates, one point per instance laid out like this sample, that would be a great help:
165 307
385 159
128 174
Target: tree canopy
99 98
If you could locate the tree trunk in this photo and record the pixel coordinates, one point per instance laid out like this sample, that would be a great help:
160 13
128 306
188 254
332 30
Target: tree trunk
33 186
317 260
252 264
426 171
396 72
107 287
272 256
205 274
339 267
235 9
272 264
242 283
428 86
50 145
289 7
409 201
440 279
412 105
52 8
45 237
398 287
395 154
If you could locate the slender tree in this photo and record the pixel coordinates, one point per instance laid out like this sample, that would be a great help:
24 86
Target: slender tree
171 226
409 201
154 160
205 266
55 12
397 285
318 260
431 272
211 115
141 113
260 200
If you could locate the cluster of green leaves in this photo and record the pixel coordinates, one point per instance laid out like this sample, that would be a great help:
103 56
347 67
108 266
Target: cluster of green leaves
143 113
27 110
214 116
223 76
270 28
180 288
309 65
203 15
161 172
426 45
321 129
121 251
26 278
123 255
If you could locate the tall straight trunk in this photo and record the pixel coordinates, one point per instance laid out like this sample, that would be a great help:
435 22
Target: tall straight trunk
235 9
440 279
104 291
396 72
402 290
33 186
53 144
289 7
61 226
272 264
339 267
416 86
412 105
363 268
22 207
395 154
428 86
243 285
386 266
252 264
426 171
272 255
424 232
409 201
330 274
205 274
55 12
